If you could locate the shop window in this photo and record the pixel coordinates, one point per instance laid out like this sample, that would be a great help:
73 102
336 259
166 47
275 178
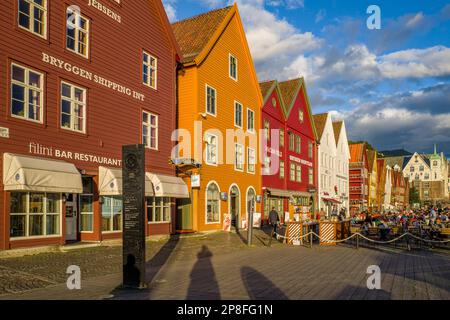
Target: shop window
212 204
159 210
233 68
77 33
238 114
73 108
112 214
33 16
251 155
27 93
250 121
211 101
150 123
34 214
150 70
239 157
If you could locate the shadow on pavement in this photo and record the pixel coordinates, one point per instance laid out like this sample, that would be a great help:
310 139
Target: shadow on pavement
203 285
259 287
360 293
153 266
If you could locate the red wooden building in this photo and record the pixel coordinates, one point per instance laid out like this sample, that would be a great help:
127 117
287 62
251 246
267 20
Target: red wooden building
292 188
359 182
78 82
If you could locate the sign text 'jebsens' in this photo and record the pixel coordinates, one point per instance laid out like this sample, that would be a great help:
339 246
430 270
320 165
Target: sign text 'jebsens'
91 76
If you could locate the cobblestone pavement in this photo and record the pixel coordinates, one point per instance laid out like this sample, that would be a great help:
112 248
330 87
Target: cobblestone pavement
220 266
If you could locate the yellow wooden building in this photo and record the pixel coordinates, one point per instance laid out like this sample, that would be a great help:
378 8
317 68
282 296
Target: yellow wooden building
218 91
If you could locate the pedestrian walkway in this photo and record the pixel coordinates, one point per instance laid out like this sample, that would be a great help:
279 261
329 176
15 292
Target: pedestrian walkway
220 266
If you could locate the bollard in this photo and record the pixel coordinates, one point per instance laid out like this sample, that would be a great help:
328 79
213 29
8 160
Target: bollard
357 241
271 237
311 240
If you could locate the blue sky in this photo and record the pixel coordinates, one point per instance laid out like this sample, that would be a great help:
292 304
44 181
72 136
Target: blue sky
391 86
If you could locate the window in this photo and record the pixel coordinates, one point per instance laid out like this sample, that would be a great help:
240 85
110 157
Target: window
34 214
211 101
73 107
298 144
299 173
77 34
27 93
150 130
87 213
301 116
150 70
233 67
112 214
33 16
422 168
311 176
159 210
412 169
251 200
310 150
267 129
238 114
291 141
250 121
251 155
282 138
239 157
282 170
266 165
211 149
86 205
435 163
427 176
292 173
212 204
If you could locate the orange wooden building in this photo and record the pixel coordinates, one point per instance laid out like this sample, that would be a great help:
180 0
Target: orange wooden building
218 91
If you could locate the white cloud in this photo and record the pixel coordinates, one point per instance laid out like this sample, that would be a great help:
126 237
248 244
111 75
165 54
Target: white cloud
169 5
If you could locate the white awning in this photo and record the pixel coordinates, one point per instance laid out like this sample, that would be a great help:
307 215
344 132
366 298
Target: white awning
279 193
110 183
168 186
24 173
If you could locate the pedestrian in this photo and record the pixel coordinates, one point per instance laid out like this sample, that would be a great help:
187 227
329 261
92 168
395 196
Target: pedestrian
274 218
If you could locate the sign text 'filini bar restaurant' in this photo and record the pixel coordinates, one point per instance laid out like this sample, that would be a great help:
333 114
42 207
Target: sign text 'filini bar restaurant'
77 83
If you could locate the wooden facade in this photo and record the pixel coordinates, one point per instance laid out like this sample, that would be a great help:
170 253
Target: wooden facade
111 74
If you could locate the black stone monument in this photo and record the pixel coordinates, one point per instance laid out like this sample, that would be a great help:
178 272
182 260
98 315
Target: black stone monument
133 176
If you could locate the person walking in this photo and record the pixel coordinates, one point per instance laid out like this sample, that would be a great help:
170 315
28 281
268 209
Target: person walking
274 218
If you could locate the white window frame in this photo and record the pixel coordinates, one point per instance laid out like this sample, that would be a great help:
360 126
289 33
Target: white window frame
311 176
73 104
76 26
206 100
207 149
30 28
27 89
238 146
230 56
206 204
292 172
298 144
250 111
154 68
91 214
298 173
160 204
301 116
282 169
253 162
149 125
236 103
27 215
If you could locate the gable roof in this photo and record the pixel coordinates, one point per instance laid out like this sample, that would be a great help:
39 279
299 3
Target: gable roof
337 127
371 159
195 33
267 87
320 121
289 90
395 153
356 152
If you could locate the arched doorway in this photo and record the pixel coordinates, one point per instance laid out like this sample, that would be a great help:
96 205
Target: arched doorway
235 205
251 203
